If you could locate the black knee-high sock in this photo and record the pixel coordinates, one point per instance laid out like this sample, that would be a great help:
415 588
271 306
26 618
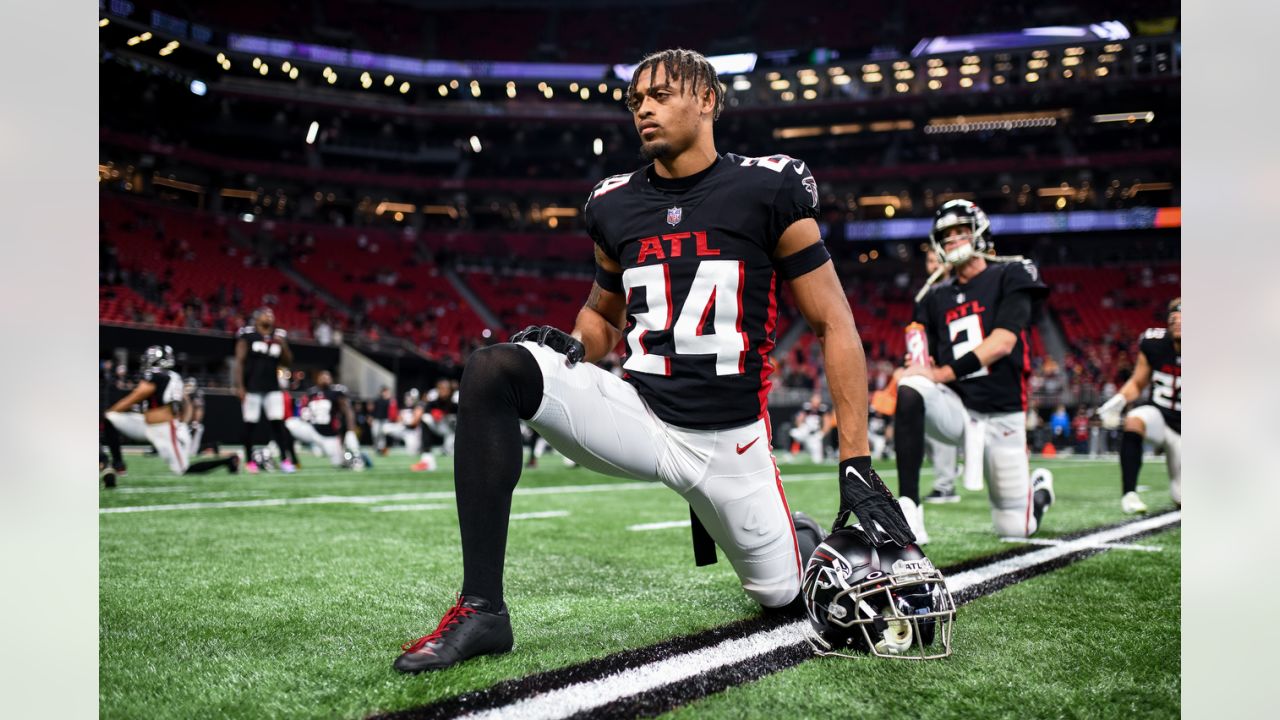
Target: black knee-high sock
248 439
112 437
281 435
908 441
500 386
204 466
1130 460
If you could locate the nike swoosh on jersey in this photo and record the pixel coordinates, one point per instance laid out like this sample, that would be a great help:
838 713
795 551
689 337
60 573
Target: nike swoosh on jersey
857 475
743 448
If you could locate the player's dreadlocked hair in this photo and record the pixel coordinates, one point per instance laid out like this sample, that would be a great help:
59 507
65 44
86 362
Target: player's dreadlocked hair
687 65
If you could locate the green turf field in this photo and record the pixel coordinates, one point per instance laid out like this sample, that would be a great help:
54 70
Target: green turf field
288 596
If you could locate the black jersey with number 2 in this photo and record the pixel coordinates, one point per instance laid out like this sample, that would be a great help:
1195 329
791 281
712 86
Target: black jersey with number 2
1165 360
700 282
958 316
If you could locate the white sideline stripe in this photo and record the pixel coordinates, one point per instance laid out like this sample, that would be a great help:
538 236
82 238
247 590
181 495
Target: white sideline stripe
373 499
583 697
394 508
538 515
170 489
1101 546
660 525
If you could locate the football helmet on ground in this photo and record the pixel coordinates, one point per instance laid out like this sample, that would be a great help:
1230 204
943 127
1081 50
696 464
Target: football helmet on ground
886 600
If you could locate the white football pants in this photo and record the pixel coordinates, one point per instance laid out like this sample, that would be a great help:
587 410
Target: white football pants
1008 470
172 440
255 403
1164 438
728 477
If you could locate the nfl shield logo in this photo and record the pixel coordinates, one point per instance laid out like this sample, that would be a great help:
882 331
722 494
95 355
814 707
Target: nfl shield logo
673 216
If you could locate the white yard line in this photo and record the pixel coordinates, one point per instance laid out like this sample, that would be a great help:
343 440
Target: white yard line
540 515
394 497
1101 546
587 696
410 508
660 525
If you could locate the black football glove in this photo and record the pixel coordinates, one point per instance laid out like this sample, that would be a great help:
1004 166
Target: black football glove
863 493
554 338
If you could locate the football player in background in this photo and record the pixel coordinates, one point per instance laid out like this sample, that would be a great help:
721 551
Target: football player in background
159 391
689 251
325 416
191 413
118 387
384 413
944 456
975 323
811 426
434 418
1158 419
260 349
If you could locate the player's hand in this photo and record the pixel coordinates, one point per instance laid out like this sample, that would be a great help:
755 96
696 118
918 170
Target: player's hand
554 338
240 395
1109 411
864 494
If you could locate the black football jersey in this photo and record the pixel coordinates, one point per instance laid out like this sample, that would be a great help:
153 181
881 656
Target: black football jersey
262 361
322 406
168 389
1165 360
700 282
957 318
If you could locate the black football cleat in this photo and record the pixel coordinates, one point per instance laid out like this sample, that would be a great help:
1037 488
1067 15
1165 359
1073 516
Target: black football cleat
469 629
108 477
938 497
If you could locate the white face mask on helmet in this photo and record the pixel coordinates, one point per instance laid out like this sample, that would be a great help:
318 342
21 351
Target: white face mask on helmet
960 212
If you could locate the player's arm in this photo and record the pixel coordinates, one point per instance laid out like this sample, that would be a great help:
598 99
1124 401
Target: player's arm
600 321
821 300
142 391
345 406
286 353
1139 380
1012 317
1110 410
237 373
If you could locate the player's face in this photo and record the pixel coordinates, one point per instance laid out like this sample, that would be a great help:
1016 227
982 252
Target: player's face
1175 325
667 117
955 236
267 320
324 379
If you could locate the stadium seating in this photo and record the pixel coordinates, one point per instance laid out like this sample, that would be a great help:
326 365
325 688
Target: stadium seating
193 255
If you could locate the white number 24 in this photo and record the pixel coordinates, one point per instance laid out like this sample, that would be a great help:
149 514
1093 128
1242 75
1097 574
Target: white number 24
718 283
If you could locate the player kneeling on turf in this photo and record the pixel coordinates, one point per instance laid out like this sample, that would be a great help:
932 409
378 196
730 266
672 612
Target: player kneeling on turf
689 255
160 390
325 411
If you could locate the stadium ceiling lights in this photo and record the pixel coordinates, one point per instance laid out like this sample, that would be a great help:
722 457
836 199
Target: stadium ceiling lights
735 64
1133 117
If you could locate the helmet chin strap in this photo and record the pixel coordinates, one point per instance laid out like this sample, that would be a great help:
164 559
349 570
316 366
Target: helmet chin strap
967 256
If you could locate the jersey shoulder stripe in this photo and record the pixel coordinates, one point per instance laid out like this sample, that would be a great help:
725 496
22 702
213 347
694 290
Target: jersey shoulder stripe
609 184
